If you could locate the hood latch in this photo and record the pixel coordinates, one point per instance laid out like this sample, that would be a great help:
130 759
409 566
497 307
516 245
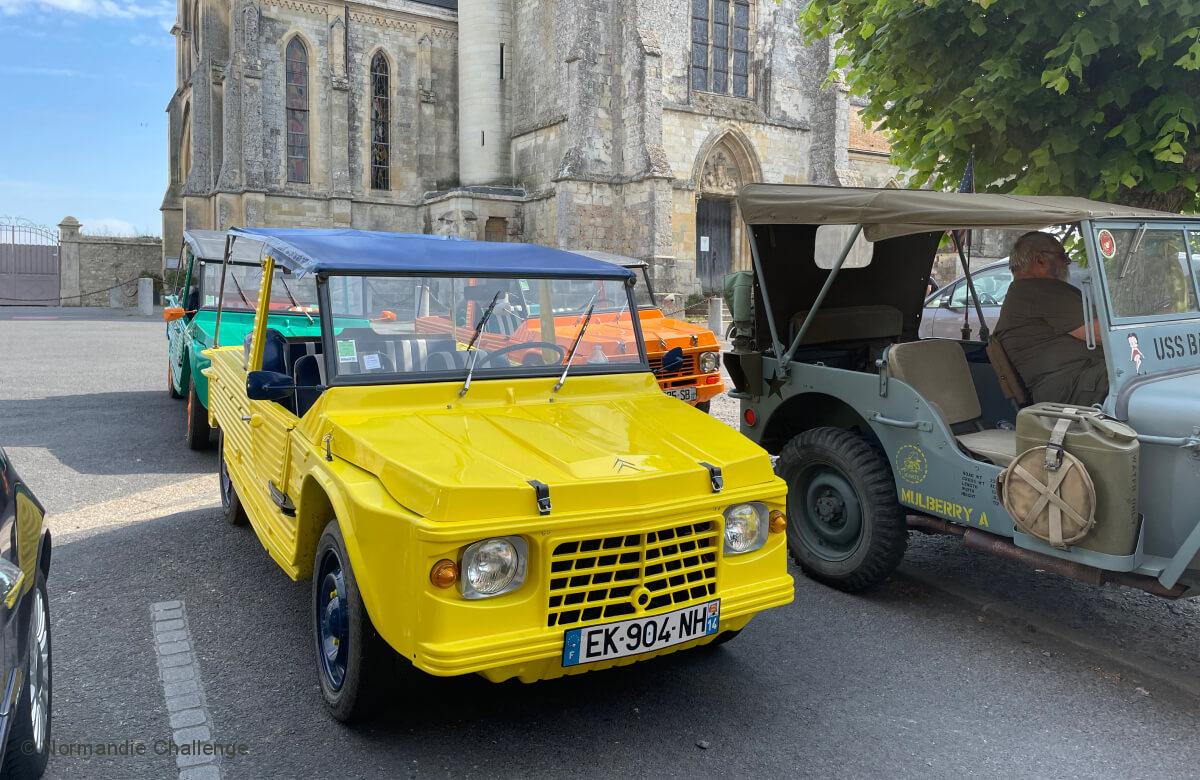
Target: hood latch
714 475
542 490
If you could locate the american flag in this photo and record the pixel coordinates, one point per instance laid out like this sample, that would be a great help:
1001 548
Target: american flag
968 180
963 237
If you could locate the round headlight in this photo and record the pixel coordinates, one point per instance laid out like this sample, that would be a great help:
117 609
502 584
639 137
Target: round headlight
746 527
492 567
709 361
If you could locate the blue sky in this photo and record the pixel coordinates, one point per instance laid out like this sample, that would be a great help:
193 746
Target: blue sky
84 85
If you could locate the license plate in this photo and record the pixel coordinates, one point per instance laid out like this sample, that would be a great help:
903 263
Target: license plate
683 393
640 635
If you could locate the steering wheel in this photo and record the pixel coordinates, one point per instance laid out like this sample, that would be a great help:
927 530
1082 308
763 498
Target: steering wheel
562 353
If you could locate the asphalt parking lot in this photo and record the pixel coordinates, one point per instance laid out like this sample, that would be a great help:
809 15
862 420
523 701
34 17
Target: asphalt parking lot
959 666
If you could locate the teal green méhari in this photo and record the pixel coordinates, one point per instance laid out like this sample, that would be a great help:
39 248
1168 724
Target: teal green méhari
191 314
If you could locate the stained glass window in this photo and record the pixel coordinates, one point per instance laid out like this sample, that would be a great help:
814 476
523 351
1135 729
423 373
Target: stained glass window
700 44
296 102
721 46
741 48
380 134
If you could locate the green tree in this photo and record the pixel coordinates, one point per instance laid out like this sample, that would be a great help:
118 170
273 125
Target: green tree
1098 98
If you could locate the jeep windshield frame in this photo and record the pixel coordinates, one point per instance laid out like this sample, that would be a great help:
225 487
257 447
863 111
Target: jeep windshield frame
394 332
1146 262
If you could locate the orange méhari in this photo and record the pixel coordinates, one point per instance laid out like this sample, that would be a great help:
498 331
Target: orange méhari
696 379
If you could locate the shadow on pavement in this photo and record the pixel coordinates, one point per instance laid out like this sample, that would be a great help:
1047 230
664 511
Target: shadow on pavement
105 433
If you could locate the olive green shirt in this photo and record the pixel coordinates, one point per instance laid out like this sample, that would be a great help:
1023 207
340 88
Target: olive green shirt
1035 327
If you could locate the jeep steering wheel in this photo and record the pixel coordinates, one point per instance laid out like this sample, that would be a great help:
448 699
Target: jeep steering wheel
562 353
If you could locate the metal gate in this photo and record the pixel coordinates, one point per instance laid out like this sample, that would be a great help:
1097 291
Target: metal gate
29 264
714 243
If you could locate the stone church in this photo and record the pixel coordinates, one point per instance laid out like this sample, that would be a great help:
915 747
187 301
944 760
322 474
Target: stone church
617 125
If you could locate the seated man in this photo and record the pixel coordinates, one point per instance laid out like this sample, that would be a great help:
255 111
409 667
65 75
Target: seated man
1041 326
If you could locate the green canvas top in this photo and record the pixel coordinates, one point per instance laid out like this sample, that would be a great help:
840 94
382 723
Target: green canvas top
888 213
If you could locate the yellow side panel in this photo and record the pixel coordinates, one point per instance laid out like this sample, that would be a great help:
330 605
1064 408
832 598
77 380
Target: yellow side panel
29 532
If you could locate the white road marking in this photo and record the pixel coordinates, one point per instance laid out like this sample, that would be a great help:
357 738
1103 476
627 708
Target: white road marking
183 691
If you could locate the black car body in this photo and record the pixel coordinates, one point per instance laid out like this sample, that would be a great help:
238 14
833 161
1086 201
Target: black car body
25 677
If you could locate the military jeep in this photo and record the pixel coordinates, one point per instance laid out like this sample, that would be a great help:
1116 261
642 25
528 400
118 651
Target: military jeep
879 432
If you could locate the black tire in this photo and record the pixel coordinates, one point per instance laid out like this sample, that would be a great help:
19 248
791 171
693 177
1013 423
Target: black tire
171 391
845 526
704 406
231 504
351 669
28 749
197 435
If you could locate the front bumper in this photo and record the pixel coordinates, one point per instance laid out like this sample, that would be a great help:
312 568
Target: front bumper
521 634
537 655
704 392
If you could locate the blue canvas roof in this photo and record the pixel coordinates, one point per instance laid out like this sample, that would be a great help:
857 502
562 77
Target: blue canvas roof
316 250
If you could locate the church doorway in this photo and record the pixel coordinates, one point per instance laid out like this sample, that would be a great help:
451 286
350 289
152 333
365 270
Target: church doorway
714 242
724 164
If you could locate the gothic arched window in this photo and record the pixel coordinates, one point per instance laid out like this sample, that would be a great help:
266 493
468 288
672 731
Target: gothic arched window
381 150
195 28
296 102
721 46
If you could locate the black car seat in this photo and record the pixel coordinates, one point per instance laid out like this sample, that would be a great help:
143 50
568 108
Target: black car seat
275 352
309 372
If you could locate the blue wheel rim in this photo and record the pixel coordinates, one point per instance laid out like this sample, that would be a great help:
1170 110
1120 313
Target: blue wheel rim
333 620
226 484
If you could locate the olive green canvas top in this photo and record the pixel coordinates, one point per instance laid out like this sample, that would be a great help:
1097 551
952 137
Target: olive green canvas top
887 213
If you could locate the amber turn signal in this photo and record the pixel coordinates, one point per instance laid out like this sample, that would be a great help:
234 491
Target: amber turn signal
444 573
778 522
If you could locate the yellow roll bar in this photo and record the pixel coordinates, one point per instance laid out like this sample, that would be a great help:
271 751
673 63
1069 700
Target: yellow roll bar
260 316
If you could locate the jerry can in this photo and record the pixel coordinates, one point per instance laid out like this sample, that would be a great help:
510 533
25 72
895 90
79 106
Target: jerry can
1109 451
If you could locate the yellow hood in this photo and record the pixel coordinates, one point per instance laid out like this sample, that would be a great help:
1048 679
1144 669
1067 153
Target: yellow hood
603 442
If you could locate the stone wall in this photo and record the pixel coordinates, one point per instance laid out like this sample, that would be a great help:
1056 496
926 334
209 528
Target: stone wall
91 264
227 118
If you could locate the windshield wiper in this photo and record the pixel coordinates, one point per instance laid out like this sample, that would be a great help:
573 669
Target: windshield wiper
245 300
587 318
474 353
292 298
1134 246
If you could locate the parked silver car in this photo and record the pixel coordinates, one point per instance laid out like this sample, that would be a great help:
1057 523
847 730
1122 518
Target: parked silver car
946 308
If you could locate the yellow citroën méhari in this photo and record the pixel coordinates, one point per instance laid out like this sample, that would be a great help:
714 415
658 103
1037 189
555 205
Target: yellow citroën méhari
528 511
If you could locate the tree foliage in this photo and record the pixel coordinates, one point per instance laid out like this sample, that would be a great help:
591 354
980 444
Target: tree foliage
1098 98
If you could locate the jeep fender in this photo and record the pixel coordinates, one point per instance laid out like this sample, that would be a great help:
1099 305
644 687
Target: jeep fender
806 411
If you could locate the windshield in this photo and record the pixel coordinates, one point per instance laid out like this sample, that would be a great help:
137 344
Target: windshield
642 295
289 295
1147 271
419 327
